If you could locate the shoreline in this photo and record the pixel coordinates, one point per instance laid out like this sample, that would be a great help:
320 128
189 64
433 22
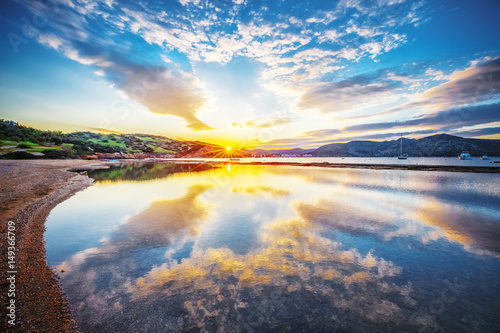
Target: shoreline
29 190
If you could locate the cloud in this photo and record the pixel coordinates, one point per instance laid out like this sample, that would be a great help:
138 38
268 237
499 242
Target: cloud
261 191
162 92
436 75
50 40
104 130
470 86
322 133
483 234
299 55
440 121
158 88
478 132
354 93
163 221
263 122
365 220
475 84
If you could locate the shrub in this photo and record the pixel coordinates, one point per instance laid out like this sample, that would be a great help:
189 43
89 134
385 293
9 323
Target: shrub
19 155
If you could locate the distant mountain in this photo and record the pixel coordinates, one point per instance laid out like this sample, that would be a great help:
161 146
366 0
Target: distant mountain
299 151
439 145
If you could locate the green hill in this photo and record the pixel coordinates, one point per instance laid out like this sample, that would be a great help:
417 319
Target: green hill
21 142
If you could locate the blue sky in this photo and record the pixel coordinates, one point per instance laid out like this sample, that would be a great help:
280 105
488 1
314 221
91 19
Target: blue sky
253 73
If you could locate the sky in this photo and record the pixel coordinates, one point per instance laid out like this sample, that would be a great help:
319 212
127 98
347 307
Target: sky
253 74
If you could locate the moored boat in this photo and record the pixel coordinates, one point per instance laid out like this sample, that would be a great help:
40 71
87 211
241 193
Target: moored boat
465 156
401 155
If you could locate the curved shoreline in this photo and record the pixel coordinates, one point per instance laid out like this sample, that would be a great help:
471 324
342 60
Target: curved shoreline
29 190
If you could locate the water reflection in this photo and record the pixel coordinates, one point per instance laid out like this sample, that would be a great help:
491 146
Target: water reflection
270 248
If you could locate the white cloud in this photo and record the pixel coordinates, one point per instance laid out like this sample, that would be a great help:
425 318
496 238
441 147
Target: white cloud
436 75
50 40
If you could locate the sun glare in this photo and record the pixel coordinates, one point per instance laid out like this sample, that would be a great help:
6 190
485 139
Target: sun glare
228 148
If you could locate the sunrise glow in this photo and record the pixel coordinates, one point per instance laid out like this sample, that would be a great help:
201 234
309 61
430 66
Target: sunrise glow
256 75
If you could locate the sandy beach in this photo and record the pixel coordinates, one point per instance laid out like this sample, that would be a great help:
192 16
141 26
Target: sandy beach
29 190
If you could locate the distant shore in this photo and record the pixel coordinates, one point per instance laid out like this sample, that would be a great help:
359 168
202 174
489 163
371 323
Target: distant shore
495 168
30 189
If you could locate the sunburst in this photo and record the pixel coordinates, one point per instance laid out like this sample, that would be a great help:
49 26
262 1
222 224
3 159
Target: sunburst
221 152
227 152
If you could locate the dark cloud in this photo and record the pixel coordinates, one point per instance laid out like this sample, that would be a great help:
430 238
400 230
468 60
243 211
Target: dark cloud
478 132
440 121
475 84
349 94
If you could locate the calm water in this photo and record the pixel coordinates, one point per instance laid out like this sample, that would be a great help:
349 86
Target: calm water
168 247
449 161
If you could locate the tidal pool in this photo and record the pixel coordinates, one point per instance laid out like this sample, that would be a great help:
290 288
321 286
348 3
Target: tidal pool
162 247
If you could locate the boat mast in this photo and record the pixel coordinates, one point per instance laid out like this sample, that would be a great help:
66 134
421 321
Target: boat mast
401 146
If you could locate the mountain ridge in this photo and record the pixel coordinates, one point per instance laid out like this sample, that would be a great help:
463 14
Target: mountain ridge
437 145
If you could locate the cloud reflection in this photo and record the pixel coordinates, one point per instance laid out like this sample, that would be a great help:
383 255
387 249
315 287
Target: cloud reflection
296 261
175 266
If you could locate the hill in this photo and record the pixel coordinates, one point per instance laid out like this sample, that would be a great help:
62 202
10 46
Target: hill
439 145
25 142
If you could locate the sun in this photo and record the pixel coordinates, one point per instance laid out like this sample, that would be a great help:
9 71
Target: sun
223 152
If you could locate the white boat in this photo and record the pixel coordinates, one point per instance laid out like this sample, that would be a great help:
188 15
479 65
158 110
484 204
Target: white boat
401 155
485 157
465 156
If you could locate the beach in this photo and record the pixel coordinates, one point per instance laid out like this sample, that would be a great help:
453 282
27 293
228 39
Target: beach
29 191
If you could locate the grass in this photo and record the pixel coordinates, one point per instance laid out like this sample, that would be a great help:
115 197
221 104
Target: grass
110 143
9 143
35 150
28 143
147 139
163 151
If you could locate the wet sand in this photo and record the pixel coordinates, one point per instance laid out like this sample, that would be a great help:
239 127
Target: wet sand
29 190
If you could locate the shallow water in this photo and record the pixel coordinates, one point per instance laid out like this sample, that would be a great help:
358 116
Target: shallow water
171 247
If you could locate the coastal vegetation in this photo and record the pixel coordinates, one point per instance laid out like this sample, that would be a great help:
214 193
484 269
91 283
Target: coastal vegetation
23 142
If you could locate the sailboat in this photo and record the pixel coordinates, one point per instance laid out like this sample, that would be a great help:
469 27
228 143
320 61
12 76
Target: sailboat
401 155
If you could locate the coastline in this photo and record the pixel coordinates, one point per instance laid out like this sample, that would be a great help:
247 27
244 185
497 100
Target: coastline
29 190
